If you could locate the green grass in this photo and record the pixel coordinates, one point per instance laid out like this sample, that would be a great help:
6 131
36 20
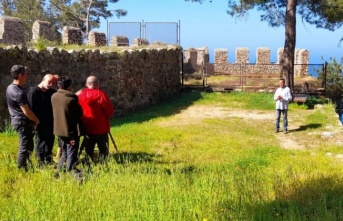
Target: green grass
198 167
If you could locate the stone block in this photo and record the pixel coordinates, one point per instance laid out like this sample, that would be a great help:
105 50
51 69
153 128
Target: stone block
120 41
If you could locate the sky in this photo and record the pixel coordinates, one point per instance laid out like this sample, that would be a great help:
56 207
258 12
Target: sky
209 25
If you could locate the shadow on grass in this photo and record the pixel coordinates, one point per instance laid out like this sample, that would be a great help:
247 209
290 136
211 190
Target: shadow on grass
137 157
142 157
316 199
168 107
308 126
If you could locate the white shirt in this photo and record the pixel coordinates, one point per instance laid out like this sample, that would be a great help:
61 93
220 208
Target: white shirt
285 92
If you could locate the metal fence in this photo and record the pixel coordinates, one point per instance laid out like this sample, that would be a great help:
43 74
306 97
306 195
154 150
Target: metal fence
165 32
131 30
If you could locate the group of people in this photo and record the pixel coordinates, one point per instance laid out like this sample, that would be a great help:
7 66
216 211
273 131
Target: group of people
51 109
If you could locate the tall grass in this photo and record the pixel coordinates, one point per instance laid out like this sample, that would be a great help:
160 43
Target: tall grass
9 130
171 168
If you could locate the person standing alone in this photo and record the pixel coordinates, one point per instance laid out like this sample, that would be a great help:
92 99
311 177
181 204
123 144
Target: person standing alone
23 119
39 98
282 97
97 111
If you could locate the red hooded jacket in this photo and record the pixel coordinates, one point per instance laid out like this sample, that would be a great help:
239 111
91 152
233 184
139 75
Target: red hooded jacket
97 111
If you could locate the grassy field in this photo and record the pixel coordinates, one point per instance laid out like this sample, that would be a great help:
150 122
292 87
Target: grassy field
201 156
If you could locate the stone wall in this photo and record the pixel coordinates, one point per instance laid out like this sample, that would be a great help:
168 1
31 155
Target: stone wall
194 58
12 30
43 29
263 56
120 41
301 61
221 56
242 55
97 39
139 42
132 78
71 35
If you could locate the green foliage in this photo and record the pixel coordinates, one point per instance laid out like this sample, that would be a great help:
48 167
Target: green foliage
323 14
85 15
42 44
334 79
9 131
313 100
250 101
27 10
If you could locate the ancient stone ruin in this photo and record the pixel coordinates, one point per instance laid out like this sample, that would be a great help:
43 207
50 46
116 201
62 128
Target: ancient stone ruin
44 29
12 31
97 39
132 78
71 35
196 59
140 41
120 41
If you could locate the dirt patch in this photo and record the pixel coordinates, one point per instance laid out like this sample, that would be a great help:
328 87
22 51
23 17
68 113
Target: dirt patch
203 112
193 114
287 142
296 139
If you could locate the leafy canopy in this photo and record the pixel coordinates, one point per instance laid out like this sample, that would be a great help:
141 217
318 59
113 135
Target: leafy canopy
83 14
323 14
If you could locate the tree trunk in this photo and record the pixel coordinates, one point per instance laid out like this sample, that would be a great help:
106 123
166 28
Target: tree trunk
87 18
287 59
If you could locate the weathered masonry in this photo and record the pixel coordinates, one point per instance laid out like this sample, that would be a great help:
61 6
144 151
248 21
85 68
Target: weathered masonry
132 78
197 59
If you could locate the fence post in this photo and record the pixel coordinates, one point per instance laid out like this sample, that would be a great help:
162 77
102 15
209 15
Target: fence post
241 76
324 72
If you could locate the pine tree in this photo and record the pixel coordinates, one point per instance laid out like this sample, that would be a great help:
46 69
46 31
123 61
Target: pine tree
323 14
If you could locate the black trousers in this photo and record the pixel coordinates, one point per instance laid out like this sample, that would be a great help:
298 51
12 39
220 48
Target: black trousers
101 140
25 134
70 148
44 145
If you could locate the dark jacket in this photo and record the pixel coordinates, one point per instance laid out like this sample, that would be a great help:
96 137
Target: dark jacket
67 113
40 104
97 111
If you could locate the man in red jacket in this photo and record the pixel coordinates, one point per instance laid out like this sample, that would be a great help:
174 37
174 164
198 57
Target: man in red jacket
97 111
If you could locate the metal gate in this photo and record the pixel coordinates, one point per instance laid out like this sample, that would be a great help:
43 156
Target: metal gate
164 32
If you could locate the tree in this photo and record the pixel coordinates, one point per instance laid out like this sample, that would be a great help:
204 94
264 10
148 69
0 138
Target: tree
83 14
334 80
28 10
321 13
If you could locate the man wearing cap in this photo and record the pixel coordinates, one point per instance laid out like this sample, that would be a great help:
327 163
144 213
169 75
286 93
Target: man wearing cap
39 98
23 119
97 111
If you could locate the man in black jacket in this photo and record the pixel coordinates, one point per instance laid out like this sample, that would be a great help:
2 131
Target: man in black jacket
67 113
39 98
23 119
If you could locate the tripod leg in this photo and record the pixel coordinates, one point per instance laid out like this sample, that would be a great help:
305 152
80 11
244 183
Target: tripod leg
113 142
86 159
